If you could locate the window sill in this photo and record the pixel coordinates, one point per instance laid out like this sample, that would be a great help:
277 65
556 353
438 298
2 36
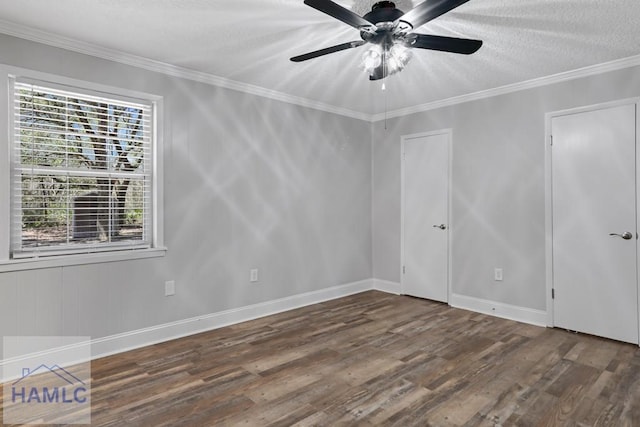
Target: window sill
80 259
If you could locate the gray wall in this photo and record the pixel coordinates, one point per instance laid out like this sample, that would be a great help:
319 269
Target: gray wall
498 193
249 183
255 183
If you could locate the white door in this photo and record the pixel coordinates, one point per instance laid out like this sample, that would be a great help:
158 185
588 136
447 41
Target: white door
425 213
594 222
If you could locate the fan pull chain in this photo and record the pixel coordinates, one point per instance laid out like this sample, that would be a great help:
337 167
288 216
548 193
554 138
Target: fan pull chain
384 85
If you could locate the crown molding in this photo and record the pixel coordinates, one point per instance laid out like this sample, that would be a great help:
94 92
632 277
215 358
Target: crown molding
632 61
15 30
31 34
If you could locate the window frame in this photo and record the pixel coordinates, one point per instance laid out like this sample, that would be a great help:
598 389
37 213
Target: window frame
82 256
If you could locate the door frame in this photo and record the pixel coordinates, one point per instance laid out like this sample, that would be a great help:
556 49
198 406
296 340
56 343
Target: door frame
449 133
548 184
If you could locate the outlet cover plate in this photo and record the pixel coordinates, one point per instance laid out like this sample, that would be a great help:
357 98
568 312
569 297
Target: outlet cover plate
169 288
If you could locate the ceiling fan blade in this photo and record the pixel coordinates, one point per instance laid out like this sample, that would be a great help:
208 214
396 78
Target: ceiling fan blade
428 10
327 50
341 13
446 44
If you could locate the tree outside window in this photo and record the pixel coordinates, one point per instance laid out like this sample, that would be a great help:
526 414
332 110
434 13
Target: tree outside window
82 174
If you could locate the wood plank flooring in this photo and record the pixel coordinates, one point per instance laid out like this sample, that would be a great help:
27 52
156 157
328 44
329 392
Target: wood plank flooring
372 359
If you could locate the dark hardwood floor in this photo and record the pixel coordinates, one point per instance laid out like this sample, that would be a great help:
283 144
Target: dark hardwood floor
372 359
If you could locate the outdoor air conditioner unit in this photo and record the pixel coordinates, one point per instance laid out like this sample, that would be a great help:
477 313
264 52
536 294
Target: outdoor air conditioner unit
86 214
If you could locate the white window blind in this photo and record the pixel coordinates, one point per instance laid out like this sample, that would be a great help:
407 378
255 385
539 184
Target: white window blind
82 172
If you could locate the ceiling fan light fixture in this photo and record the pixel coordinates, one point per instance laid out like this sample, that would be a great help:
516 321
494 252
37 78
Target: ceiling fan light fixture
393 59
400 53
372 58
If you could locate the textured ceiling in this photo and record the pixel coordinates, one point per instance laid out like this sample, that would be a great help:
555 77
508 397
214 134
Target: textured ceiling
251 41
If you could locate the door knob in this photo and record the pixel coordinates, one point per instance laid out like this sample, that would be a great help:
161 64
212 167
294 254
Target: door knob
626 235
441 226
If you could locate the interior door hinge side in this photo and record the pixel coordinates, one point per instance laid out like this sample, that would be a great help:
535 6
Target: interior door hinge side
553 293
551 139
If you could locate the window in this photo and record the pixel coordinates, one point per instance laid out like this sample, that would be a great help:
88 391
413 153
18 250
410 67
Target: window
82 171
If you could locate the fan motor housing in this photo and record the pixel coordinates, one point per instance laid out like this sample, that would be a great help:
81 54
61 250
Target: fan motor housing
382 15
383 11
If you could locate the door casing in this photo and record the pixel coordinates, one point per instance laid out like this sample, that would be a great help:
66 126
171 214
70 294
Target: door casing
549 189
449 133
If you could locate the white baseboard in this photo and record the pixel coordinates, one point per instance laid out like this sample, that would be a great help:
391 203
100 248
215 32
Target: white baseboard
119 343
492 308
387 286
505 311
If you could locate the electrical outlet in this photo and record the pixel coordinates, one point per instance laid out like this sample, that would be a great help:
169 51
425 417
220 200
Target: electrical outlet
497 274
169 288
253 275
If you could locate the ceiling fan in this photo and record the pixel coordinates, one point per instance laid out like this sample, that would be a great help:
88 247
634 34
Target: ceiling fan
389 32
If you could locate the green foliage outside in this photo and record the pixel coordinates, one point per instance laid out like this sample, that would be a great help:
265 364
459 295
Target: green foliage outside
61 140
